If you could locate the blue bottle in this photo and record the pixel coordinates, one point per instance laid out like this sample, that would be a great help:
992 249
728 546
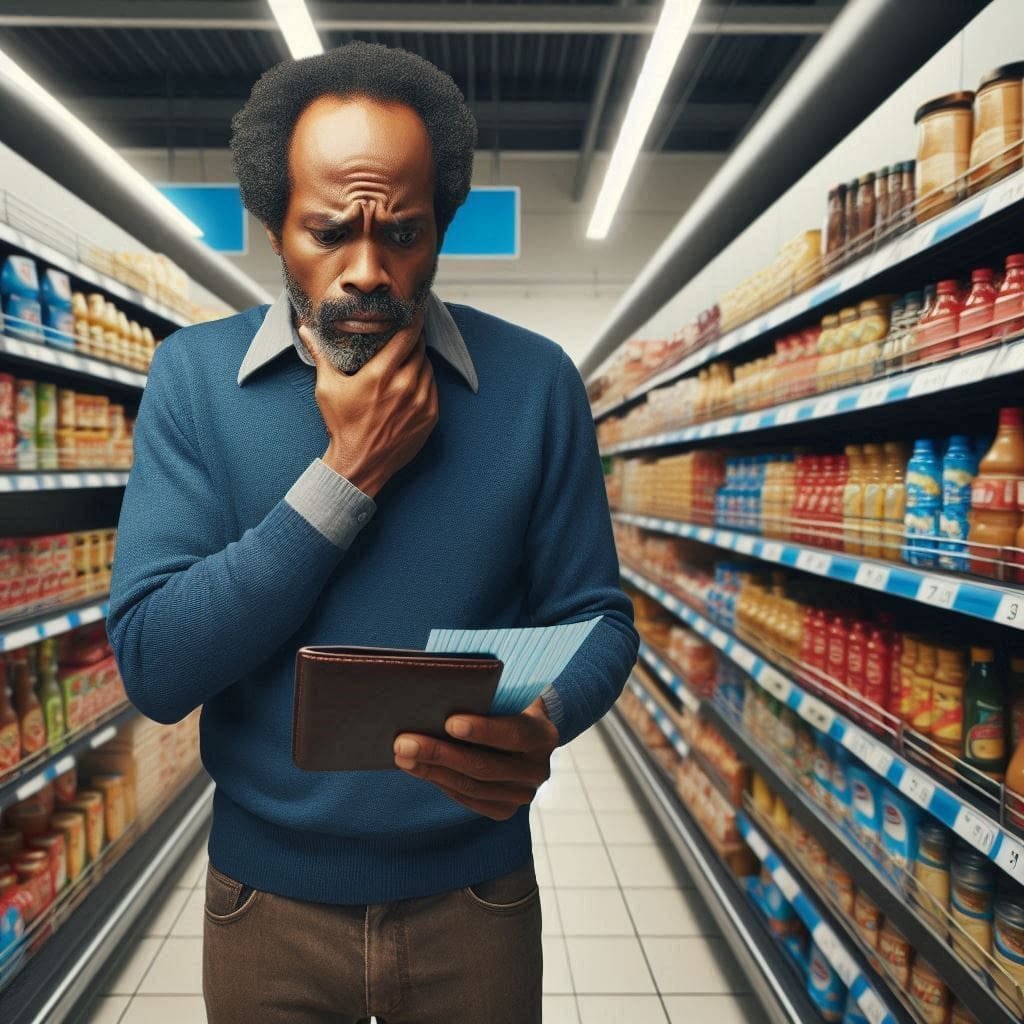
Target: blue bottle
19 290
924 505
959 468
58 320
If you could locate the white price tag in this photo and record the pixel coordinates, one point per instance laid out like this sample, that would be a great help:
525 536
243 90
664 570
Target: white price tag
664 672
859 744
1011 611
826 406
787 414
1010 857
787 884
938 592
102 737
819 714
756 842
1011 359
874 577
814 561
706 430
690 702
969 371
30 788
775 683
718 638
1009 192
681 748
751 421
744 657
828 942
27 483
745 545
881 760
918 787
57 626
65 764
771 551
705 534
927 381
873 394
845 966
872 1006
979 830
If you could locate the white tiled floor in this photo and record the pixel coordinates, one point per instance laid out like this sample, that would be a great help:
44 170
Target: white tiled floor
627 939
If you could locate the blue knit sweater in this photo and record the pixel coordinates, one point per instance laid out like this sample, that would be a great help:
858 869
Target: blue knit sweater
500 520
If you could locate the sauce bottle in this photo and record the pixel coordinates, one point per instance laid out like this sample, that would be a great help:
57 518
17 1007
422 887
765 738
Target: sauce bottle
948 700
1008 312
877 672
979 310
819 646
856 664
839 473
874 500
10 730
835 233
908 658
894 476
30 712
938 327
52 700
1015 688
922 695
985 727
836 651
995 518
853 500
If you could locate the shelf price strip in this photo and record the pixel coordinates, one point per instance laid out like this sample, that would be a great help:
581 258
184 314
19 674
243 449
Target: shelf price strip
981 601
662 720
53 627
822 933
73 361
669 678
961 217
972 825
15 484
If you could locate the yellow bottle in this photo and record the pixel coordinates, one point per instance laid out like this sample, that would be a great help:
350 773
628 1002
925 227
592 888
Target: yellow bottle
853 501
874 500
895 473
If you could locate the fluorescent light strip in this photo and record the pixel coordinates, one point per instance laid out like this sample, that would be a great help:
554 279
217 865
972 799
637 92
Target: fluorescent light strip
297 27
669 35
116 164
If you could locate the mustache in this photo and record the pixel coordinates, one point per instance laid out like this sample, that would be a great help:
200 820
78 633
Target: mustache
375 305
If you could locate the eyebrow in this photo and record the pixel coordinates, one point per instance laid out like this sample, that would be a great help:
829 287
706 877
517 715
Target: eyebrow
330 220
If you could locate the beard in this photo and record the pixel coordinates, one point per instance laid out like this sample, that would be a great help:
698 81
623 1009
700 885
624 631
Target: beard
347 352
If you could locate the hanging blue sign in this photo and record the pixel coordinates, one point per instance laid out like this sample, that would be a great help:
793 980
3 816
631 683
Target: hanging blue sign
486 226
216 210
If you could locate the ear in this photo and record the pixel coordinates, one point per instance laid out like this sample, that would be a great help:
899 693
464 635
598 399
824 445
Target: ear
275 241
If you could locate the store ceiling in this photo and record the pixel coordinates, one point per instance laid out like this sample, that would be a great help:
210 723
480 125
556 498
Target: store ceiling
539 76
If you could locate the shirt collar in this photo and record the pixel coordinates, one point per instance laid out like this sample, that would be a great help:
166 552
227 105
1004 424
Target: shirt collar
277 334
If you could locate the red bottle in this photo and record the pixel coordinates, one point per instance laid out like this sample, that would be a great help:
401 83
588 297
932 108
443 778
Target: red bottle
1008 313
805 474
877 671
819 649
979 310
895 675
840 474
816 503
856 661
937 329
836 667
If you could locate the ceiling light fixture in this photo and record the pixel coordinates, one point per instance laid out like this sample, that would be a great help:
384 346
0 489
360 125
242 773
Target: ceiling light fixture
133 182
297 27
669 35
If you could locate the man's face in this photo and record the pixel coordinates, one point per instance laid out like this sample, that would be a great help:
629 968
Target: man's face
359 241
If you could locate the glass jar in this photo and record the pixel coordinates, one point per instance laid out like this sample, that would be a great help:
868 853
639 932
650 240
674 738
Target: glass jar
996 148
866 208
945 128
835 234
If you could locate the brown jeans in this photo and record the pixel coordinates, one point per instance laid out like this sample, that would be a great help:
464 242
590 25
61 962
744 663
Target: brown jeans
473 954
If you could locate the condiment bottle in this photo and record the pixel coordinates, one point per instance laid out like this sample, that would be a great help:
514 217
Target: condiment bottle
978 310
874 500
856 663
836 650
52 700
922 693
882 199
908 659
877 671
853 501
851 216
894 476
10 729
30 712
972 900
1008 312
938 327
835 233
1015 692
866 207
997 126
947 727
945 129
985 726
995 518
896 676
819 646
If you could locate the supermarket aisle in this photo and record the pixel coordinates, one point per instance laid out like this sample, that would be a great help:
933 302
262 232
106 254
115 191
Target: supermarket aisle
627 939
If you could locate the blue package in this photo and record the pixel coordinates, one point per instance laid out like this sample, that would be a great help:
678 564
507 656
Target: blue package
19 291
59 328
823 759
55 292
825 987
921 524
865 807
899 831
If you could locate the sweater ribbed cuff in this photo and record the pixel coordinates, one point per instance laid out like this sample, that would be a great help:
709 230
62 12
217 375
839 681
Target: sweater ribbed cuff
330 503
554 707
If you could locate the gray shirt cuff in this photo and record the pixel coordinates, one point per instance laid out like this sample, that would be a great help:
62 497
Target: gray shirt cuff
330 503
554 708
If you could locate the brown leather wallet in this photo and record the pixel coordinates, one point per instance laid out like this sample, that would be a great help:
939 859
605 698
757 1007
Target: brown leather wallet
351 702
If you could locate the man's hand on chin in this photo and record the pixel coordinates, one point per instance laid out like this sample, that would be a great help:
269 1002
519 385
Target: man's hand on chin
496 768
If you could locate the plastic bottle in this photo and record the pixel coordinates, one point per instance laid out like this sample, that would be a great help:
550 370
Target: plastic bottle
908 658
877 673
30 712
10 730
938 327
959 468
874 500
924 502
856 665
1008 312
985 725
923 693
836 668
895 506
978 310
947 728
839 472
52 699
995 518
1015 693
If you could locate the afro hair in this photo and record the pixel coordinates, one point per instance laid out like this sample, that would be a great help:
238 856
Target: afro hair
262 129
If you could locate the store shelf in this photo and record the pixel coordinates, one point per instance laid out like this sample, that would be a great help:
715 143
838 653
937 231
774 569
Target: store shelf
53 622
948 376
823 934
45 356
21 785
661 717
970 990
58 979
990 602
967 821
665 673
75 266
782 997
28 483
887 256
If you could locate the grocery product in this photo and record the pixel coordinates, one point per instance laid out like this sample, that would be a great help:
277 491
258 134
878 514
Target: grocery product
1009 305
972 902
945 132
978 310
10 728
1008 933
959 468
57 313
825 987
31 723
25 425
929 992
995 517
985 724
900 819
995 147
71 824
923 504
896 951
19 295
932 866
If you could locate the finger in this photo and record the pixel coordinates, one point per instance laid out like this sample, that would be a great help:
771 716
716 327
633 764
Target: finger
520 733
405 346
474 762
495 811
475 789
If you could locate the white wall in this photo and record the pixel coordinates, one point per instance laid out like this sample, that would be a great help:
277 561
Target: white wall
995 37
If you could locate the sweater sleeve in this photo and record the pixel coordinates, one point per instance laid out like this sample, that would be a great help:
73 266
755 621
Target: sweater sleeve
192 610
573 566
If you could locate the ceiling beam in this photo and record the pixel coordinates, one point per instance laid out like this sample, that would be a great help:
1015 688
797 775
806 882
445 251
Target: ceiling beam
329 16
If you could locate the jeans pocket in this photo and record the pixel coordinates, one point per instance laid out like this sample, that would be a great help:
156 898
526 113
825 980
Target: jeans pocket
226 899
508 892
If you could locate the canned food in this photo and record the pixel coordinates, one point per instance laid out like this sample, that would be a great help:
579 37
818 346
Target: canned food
90 803
54 844
972 902
1008 937
66 786
896 951
931 868
33 869
112 788
30 817
929 992
71 824
11 844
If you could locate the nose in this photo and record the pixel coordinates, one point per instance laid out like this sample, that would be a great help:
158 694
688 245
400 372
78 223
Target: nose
364 271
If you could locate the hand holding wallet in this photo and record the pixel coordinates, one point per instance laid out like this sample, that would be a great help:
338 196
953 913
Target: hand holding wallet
351 702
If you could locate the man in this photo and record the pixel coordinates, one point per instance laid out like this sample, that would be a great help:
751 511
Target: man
359 463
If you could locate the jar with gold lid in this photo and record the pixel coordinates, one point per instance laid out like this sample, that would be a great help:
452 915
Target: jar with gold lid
996 149
945 129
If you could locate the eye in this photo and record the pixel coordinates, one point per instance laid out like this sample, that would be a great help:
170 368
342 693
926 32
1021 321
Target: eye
405 237
328 236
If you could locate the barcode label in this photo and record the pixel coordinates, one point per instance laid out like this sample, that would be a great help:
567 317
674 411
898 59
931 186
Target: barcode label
787 884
